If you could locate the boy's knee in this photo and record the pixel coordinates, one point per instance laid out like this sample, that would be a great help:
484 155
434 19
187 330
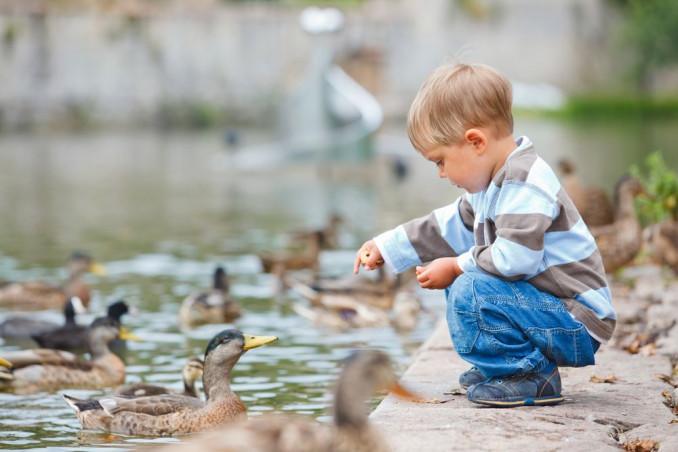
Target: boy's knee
461 294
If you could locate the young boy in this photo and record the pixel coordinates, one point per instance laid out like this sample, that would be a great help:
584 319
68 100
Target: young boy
524 280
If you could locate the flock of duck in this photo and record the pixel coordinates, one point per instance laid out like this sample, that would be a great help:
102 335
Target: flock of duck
144 409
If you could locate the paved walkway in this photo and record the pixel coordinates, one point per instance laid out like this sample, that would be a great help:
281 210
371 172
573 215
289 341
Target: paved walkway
594 417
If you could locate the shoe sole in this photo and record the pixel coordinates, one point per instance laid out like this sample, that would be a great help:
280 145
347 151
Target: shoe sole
543 401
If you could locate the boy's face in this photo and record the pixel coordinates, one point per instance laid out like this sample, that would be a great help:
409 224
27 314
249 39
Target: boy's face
465 165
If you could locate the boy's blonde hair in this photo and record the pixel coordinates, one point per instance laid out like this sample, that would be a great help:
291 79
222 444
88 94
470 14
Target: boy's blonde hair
455 98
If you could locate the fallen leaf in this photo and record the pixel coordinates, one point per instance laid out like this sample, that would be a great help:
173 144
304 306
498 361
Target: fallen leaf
674 421
432 401
641 445
606 379
455 391
667 379
649 349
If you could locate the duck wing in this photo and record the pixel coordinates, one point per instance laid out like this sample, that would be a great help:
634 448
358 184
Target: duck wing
41 356
25 327
69 337
140 390
155 405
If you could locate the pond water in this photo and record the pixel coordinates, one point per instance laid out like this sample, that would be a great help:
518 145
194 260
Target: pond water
161 210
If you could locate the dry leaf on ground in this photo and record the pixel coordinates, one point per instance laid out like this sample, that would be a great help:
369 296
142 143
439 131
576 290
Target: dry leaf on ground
605 379
641 445
668 379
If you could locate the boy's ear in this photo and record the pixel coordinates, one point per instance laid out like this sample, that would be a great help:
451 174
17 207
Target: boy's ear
477 139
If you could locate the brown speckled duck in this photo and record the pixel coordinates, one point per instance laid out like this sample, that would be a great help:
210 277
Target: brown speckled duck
175 414
41 295
593 203
663 243
213 306
620 241
364 373
279 262
191 373
48 370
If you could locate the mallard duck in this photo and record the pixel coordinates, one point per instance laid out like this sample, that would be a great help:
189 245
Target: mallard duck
364 373
174 414
593 203
214 306
620 241
663 243
73 337
281 261
379 292
327 236
42 295
191 373
44 369
24 327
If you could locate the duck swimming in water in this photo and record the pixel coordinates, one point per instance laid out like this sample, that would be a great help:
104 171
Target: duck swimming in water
191 373
48 370
34 295
23 327
73 337
213 306
175 414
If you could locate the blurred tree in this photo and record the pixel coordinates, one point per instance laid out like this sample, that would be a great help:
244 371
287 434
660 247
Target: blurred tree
652 33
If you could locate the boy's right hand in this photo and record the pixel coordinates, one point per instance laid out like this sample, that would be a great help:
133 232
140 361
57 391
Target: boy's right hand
368 256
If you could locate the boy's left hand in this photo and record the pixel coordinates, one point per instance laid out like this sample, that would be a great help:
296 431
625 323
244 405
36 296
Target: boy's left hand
439 274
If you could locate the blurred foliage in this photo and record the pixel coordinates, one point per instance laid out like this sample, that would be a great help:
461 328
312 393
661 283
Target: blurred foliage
660 200
339 3
651 32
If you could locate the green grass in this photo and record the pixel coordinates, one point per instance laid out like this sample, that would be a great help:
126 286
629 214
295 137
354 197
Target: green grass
610 107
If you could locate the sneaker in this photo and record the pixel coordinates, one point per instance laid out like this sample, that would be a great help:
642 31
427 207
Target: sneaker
536 388
471 377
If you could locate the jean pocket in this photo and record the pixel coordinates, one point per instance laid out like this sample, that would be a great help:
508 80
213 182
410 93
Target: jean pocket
564 346
463 330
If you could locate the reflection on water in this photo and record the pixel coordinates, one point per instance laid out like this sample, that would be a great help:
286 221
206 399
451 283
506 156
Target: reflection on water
162 210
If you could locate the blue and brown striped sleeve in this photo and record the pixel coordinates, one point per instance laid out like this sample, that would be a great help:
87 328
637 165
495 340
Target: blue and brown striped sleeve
446 232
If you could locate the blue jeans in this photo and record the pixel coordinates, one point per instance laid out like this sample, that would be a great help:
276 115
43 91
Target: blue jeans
507 328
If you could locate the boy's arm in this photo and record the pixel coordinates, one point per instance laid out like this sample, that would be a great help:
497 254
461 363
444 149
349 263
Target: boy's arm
445 232
522 215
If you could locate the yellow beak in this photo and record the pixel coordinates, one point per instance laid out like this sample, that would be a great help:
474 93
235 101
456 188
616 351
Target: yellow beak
5 363
126 335
97 269
257 341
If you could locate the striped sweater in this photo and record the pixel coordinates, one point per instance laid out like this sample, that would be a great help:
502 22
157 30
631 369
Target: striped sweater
523 226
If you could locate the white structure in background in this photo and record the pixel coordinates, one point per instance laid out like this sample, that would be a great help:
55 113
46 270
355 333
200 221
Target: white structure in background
330 114
538 95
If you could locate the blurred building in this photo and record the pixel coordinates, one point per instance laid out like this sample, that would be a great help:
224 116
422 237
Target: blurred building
164 62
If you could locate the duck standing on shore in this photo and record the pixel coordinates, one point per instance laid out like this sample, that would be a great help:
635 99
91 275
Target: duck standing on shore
620 241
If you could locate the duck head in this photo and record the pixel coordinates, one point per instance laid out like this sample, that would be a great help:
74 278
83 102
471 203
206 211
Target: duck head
116 310
221 354
191 373
80 262
365 372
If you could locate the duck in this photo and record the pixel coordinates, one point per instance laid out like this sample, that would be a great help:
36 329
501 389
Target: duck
22 327
279 262
191 373
175 414
593 203
379 292
73 337
620 241
33 295
365 372
662 243
213 306
327 236
36 370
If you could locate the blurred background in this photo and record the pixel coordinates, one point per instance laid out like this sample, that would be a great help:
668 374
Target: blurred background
168 136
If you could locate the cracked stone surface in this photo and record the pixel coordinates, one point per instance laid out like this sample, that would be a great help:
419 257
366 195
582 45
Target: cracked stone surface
594 416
